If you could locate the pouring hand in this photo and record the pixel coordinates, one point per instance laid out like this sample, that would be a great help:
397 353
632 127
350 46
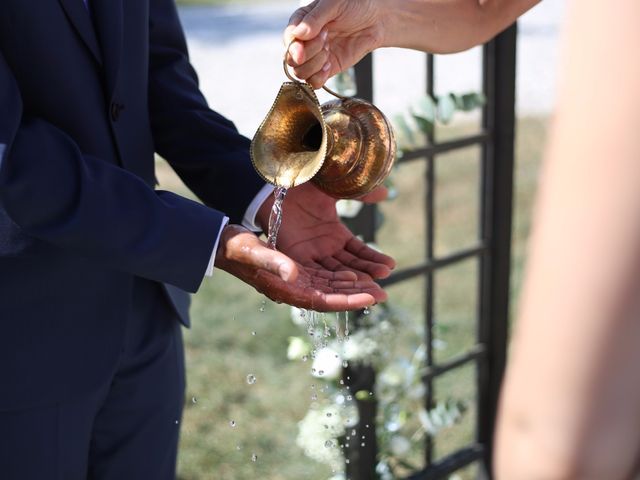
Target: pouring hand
313 236
283 280
332 35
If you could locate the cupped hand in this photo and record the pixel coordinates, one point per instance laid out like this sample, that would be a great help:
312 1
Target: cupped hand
283 280
328 36
313 236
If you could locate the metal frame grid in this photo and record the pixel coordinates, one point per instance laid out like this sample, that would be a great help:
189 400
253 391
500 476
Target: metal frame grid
492 250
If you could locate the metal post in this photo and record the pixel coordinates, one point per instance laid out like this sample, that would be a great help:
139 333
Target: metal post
496 214
362 460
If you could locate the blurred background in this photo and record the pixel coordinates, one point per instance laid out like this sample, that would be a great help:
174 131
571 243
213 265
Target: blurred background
236 430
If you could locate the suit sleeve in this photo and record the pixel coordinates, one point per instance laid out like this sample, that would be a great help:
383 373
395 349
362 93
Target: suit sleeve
204 148
94 208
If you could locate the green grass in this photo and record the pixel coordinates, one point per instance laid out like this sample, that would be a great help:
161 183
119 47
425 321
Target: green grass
221 349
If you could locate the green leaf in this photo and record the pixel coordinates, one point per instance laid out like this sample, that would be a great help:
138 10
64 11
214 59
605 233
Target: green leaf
406 136
425 125
426 108
446 108
471 101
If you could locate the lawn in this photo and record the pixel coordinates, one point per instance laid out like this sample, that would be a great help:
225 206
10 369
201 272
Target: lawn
232 338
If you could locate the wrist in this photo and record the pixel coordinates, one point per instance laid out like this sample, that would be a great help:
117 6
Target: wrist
263 214
398 22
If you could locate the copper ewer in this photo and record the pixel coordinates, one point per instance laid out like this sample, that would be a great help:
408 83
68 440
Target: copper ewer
346 147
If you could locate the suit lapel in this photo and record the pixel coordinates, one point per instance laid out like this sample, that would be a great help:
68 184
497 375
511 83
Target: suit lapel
81 20
108 20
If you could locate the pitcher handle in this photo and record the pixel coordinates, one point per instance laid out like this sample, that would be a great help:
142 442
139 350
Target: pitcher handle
295 80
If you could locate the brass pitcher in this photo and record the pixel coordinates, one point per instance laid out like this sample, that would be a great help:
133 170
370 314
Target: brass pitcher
346 147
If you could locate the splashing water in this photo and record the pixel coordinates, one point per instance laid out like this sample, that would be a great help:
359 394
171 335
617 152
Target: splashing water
275 219
251 379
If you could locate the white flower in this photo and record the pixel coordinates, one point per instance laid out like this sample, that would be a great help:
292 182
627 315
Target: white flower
360 347
317 434
392 376
327 364
298 348
417 391
348 208
399 445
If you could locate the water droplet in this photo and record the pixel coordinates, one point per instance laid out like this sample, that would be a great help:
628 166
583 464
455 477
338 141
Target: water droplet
327 427
345 364
349 398
363 437
321 372
313 386
305 358
314 397
341 382
353 432
177 422
347 461
232 423
254 457
366 311
251 379
329 414
328 444
362 444
194 400
313 370
371 394
367 425
238 447
253 333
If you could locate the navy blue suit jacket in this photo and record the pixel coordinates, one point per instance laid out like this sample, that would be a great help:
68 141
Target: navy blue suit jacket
84 104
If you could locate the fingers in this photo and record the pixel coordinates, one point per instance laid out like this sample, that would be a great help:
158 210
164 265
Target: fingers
316 64
304 294
300 53
374 269
377 195
242 248
314 18
362 250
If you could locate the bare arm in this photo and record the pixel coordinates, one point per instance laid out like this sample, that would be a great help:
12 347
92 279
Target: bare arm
571 401
335 34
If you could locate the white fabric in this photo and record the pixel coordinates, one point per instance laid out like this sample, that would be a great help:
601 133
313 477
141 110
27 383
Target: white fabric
249 220
209 271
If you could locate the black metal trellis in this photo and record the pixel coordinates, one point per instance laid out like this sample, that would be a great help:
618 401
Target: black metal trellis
492 250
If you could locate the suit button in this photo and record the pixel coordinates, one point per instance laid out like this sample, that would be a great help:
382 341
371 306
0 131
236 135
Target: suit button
116 108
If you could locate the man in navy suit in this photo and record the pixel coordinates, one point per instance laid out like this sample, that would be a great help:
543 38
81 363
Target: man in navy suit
94 261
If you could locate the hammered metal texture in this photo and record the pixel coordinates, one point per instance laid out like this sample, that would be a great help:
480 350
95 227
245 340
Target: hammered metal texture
361 148
291 144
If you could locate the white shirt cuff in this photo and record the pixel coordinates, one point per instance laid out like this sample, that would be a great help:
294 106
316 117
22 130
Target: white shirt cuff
209 271
249 219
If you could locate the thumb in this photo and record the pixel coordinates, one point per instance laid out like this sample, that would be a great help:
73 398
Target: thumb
312 19
241 249
276 263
